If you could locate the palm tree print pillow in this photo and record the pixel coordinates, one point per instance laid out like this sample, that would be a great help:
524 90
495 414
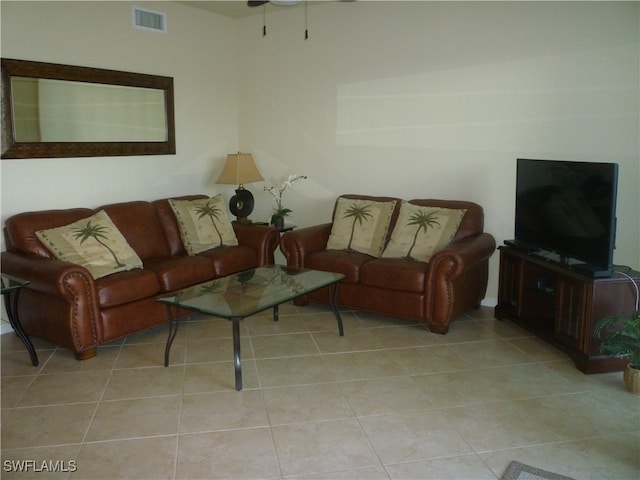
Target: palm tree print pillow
203 224
94 243
360 226
420 232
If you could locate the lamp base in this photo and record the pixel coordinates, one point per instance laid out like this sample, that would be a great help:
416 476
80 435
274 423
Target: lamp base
241 205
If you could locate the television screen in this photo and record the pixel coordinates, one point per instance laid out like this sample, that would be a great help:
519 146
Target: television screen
568 208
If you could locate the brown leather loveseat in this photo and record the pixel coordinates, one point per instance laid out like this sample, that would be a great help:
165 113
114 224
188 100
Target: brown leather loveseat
65 305
434 292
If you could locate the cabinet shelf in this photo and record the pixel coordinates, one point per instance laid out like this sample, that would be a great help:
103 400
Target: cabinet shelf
561 306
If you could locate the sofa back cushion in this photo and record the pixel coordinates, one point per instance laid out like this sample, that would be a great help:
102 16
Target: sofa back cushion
169 223
139 224
20 230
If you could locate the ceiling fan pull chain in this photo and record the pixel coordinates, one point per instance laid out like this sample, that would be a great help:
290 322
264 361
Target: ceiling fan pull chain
264 19
306 20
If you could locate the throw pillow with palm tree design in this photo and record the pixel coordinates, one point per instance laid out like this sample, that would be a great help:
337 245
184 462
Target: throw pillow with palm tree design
203 224
420 232
93 242
360 225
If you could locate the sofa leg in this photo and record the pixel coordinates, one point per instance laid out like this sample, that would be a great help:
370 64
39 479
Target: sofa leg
439 329
87 354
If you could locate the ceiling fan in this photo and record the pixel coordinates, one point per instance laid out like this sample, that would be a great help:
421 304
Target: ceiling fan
282 3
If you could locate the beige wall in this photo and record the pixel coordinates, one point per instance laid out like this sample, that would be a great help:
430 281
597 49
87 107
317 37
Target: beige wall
438 99
413 99
198 52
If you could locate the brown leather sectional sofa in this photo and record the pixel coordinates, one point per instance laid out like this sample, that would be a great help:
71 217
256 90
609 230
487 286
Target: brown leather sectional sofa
433 293
65 305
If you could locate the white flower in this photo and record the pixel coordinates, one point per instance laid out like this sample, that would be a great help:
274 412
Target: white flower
277 193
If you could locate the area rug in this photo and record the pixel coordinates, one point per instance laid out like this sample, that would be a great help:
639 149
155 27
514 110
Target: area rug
520 471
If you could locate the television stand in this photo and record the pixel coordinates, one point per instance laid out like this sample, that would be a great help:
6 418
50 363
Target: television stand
521 246
562 305
592 271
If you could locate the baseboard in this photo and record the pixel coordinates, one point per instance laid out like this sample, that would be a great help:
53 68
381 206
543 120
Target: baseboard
489 302
5 328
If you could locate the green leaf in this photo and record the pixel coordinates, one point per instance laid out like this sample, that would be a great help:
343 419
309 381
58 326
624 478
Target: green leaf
620 336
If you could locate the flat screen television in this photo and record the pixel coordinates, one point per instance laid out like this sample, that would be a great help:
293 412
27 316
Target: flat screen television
569 209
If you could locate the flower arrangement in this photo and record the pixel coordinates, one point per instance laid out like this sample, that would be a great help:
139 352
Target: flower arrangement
279 212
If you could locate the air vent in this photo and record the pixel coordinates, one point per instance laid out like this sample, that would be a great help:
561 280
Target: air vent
149 19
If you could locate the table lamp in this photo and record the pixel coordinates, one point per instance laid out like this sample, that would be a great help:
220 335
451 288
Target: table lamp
238 170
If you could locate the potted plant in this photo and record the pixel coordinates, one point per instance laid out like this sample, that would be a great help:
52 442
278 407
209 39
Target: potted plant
620 336
279 212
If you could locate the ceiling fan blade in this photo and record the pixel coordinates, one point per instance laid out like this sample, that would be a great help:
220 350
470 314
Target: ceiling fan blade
257 3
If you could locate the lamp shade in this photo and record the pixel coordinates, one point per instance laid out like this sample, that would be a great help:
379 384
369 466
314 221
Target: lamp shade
239 169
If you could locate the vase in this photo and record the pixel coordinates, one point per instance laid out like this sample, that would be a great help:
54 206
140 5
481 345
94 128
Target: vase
279 223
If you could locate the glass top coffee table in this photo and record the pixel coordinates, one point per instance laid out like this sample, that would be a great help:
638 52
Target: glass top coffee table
241 295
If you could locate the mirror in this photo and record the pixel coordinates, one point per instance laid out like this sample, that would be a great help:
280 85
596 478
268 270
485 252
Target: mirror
52 110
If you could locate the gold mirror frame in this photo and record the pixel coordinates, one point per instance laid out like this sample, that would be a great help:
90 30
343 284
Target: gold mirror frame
54 149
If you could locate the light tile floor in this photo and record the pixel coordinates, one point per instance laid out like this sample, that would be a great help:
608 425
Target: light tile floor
389 400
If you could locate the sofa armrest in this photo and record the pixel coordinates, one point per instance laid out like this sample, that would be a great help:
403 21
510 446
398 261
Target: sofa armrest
296 245
457 279
263 239
465 253
49 275
60 304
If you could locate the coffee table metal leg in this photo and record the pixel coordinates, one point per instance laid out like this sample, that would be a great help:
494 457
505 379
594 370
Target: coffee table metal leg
333 301
236 351
12 312
174 320
276 313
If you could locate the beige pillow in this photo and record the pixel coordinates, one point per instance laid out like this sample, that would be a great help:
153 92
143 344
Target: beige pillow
203 224
360 225
94 242
420 232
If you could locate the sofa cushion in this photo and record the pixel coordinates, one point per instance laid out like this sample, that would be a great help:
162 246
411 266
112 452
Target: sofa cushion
360 225
94 243
139 223
394 274
339 261
422 231
204 224
179 272
231 259
126 287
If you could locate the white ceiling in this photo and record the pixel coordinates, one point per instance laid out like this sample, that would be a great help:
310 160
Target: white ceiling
234 9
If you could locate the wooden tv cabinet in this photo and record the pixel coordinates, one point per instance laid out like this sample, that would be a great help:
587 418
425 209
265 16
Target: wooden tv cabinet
562 306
